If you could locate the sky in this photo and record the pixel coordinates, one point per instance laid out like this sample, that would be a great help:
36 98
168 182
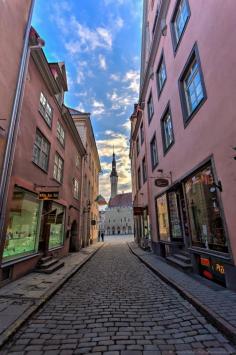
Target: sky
99 41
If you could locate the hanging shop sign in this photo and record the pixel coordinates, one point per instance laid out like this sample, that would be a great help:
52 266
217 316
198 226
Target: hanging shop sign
93 222
161 182
138 211
49 195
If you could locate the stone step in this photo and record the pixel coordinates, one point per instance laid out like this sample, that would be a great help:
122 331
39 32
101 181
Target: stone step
185 258
44 259
47 264
173 260
56 266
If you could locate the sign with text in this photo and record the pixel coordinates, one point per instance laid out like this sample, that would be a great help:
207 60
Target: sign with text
48 195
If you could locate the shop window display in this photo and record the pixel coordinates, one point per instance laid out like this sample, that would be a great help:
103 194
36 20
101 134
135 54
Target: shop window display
55 220
163 219
175 222
204 212
23 225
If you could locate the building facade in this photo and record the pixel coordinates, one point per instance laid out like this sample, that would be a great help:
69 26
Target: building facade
90 180
183 135
43 206
118 216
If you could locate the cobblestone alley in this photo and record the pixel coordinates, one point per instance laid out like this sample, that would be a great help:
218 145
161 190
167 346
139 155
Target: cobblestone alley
115 305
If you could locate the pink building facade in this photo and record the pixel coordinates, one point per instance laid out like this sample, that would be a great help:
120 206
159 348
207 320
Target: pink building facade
183 137
44 200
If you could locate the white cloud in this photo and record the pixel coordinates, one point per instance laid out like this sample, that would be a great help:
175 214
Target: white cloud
98 107
102 62
80 107
132 78
126 125
119 22
115 77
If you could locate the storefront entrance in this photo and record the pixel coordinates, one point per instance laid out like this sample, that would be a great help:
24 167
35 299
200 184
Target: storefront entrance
52 226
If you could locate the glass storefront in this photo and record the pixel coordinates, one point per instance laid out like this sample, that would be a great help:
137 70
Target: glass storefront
163 218
175 222
206 224
55 221
23 225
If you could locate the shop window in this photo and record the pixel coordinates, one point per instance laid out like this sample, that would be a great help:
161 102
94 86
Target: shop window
163 218
60 134
154 154
45 109
150 108
161 75
41 151
174 216
23 225
191 84
58 168
167 130
179 21
55 221
206 223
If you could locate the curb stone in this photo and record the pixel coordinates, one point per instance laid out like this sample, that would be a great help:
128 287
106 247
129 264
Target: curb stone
7 334
213 317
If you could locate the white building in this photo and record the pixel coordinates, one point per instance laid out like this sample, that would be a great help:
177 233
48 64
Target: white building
118 216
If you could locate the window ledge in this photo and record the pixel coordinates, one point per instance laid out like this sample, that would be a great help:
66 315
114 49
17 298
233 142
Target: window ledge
20 259
221 255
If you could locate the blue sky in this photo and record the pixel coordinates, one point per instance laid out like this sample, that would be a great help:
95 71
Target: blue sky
99 41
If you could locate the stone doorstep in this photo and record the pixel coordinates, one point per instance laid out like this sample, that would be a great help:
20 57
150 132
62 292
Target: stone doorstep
30 309
227 329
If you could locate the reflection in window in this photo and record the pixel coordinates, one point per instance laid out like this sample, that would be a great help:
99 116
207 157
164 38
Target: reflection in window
163 220
204 212
181 19
55 220
193 87
22 228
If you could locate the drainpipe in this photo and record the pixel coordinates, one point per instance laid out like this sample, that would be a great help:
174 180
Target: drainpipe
13 125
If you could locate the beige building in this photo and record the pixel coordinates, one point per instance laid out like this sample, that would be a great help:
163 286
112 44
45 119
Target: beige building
90 181
118 216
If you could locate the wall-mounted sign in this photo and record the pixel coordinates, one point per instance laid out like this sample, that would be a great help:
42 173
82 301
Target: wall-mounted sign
138 211
93 222
52 195
161 182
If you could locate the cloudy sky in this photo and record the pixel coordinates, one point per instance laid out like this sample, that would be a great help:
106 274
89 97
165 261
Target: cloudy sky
99 40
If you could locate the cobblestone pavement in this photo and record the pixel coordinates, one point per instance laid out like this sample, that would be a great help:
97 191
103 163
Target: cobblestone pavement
115 305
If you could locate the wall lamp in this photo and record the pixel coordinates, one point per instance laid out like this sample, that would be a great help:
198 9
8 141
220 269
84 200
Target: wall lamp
216 186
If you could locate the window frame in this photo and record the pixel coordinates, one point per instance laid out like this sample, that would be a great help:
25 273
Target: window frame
194 55
43 109
137 146
49 147
150 99
55 178
176 42
59 125
144 169
141 133
139 178
165 113
162 60
151 142
76 196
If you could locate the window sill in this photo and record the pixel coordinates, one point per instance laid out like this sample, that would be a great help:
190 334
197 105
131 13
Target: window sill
20 259
221 255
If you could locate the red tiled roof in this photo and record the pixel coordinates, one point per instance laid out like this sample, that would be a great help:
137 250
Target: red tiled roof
121 200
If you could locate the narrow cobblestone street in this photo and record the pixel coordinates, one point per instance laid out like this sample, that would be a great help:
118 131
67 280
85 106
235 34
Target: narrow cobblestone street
115 305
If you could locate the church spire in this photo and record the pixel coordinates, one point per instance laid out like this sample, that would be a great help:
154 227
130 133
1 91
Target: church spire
113 176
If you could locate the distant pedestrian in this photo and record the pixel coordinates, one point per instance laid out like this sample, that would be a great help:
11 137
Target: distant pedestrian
102 236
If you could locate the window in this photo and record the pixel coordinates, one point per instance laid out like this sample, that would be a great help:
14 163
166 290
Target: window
207 229
41 151
191 85
150 108
142 133
77 161
76 188
55 224
137 146
179 21
163 218
45 109
161 75
23 225
154 154
60 133
144 168
139 179
167 130
155 22
58 168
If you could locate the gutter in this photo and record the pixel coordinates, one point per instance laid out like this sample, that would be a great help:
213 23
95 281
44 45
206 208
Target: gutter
13 125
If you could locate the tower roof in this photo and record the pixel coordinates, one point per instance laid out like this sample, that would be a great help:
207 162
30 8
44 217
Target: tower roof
113 171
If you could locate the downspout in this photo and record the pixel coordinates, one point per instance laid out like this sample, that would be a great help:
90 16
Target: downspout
13 126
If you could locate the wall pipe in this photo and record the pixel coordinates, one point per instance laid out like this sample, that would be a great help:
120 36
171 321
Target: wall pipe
13 125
